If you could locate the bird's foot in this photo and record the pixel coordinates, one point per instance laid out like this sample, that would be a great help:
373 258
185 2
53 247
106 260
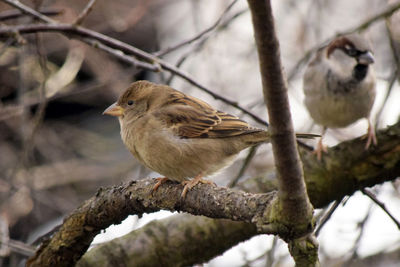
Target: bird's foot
160 181
319 149
189 184
371 137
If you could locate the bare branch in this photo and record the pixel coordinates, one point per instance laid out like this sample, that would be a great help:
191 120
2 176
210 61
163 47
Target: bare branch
6 44
361 228
368 22
13 14
203 40
20 248
295 210
28 10
84 12
197 36
120 55
347 167
270 259
291 186
395 74
112 205
327 216
380 204
79 32
249 157
139 245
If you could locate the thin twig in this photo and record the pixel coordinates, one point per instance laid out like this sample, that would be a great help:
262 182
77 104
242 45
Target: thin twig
327 216
368 22
197 36
200 44
20 248
26 9
182 59
250 156
380 204
5 45
120 55
13 13
393 45
80 32
267 255
84 12
113 43
4 237
270 259
361 226
12 110
395 74
40 113
387 94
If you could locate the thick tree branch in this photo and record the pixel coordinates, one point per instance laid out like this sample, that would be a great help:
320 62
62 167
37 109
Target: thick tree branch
345 169
147 246
320 195
294 209
81 227
348 167
112 205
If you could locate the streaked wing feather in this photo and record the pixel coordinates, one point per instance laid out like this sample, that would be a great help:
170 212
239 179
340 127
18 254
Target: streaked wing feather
189 117
230 126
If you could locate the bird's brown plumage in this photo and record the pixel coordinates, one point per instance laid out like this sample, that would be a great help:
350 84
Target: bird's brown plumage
180 136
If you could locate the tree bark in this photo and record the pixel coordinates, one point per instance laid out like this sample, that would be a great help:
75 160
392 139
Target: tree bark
176 241
323 187
293 209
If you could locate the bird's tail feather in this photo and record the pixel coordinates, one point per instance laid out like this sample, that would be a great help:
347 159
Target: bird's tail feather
307 136
264 137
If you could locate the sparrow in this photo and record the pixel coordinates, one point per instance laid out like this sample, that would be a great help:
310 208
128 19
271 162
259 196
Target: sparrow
179 136
339 86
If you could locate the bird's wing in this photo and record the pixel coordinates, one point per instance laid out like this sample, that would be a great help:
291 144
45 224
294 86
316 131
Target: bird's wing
189 117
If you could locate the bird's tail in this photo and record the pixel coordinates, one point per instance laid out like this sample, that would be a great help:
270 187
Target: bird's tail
307 136
263 136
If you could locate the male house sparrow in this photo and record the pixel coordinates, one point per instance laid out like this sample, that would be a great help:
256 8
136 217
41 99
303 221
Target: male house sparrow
339 86
179 136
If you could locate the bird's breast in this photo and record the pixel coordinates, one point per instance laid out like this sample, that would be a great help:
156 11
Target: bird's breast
333 102
160 150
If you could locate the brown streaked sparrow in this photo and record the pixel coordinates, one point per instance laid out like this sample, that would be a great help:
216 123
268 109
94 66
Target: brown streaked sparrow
179 136
339 86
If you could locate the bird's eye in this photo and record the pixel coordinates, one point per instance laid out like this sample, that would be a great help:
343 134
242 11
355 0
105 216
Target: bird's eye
352 52
130 102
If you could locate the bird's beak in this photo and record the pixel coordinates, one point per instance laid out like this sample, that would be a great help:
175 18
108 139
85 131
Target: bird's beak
114 110
366 58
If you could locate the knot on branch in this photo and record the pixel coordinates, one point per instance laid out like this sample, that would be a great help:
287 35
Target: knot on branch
304 250
274 221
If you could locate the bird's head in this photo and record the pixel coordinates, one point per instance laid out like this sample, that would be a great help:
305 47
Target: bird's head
353 46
